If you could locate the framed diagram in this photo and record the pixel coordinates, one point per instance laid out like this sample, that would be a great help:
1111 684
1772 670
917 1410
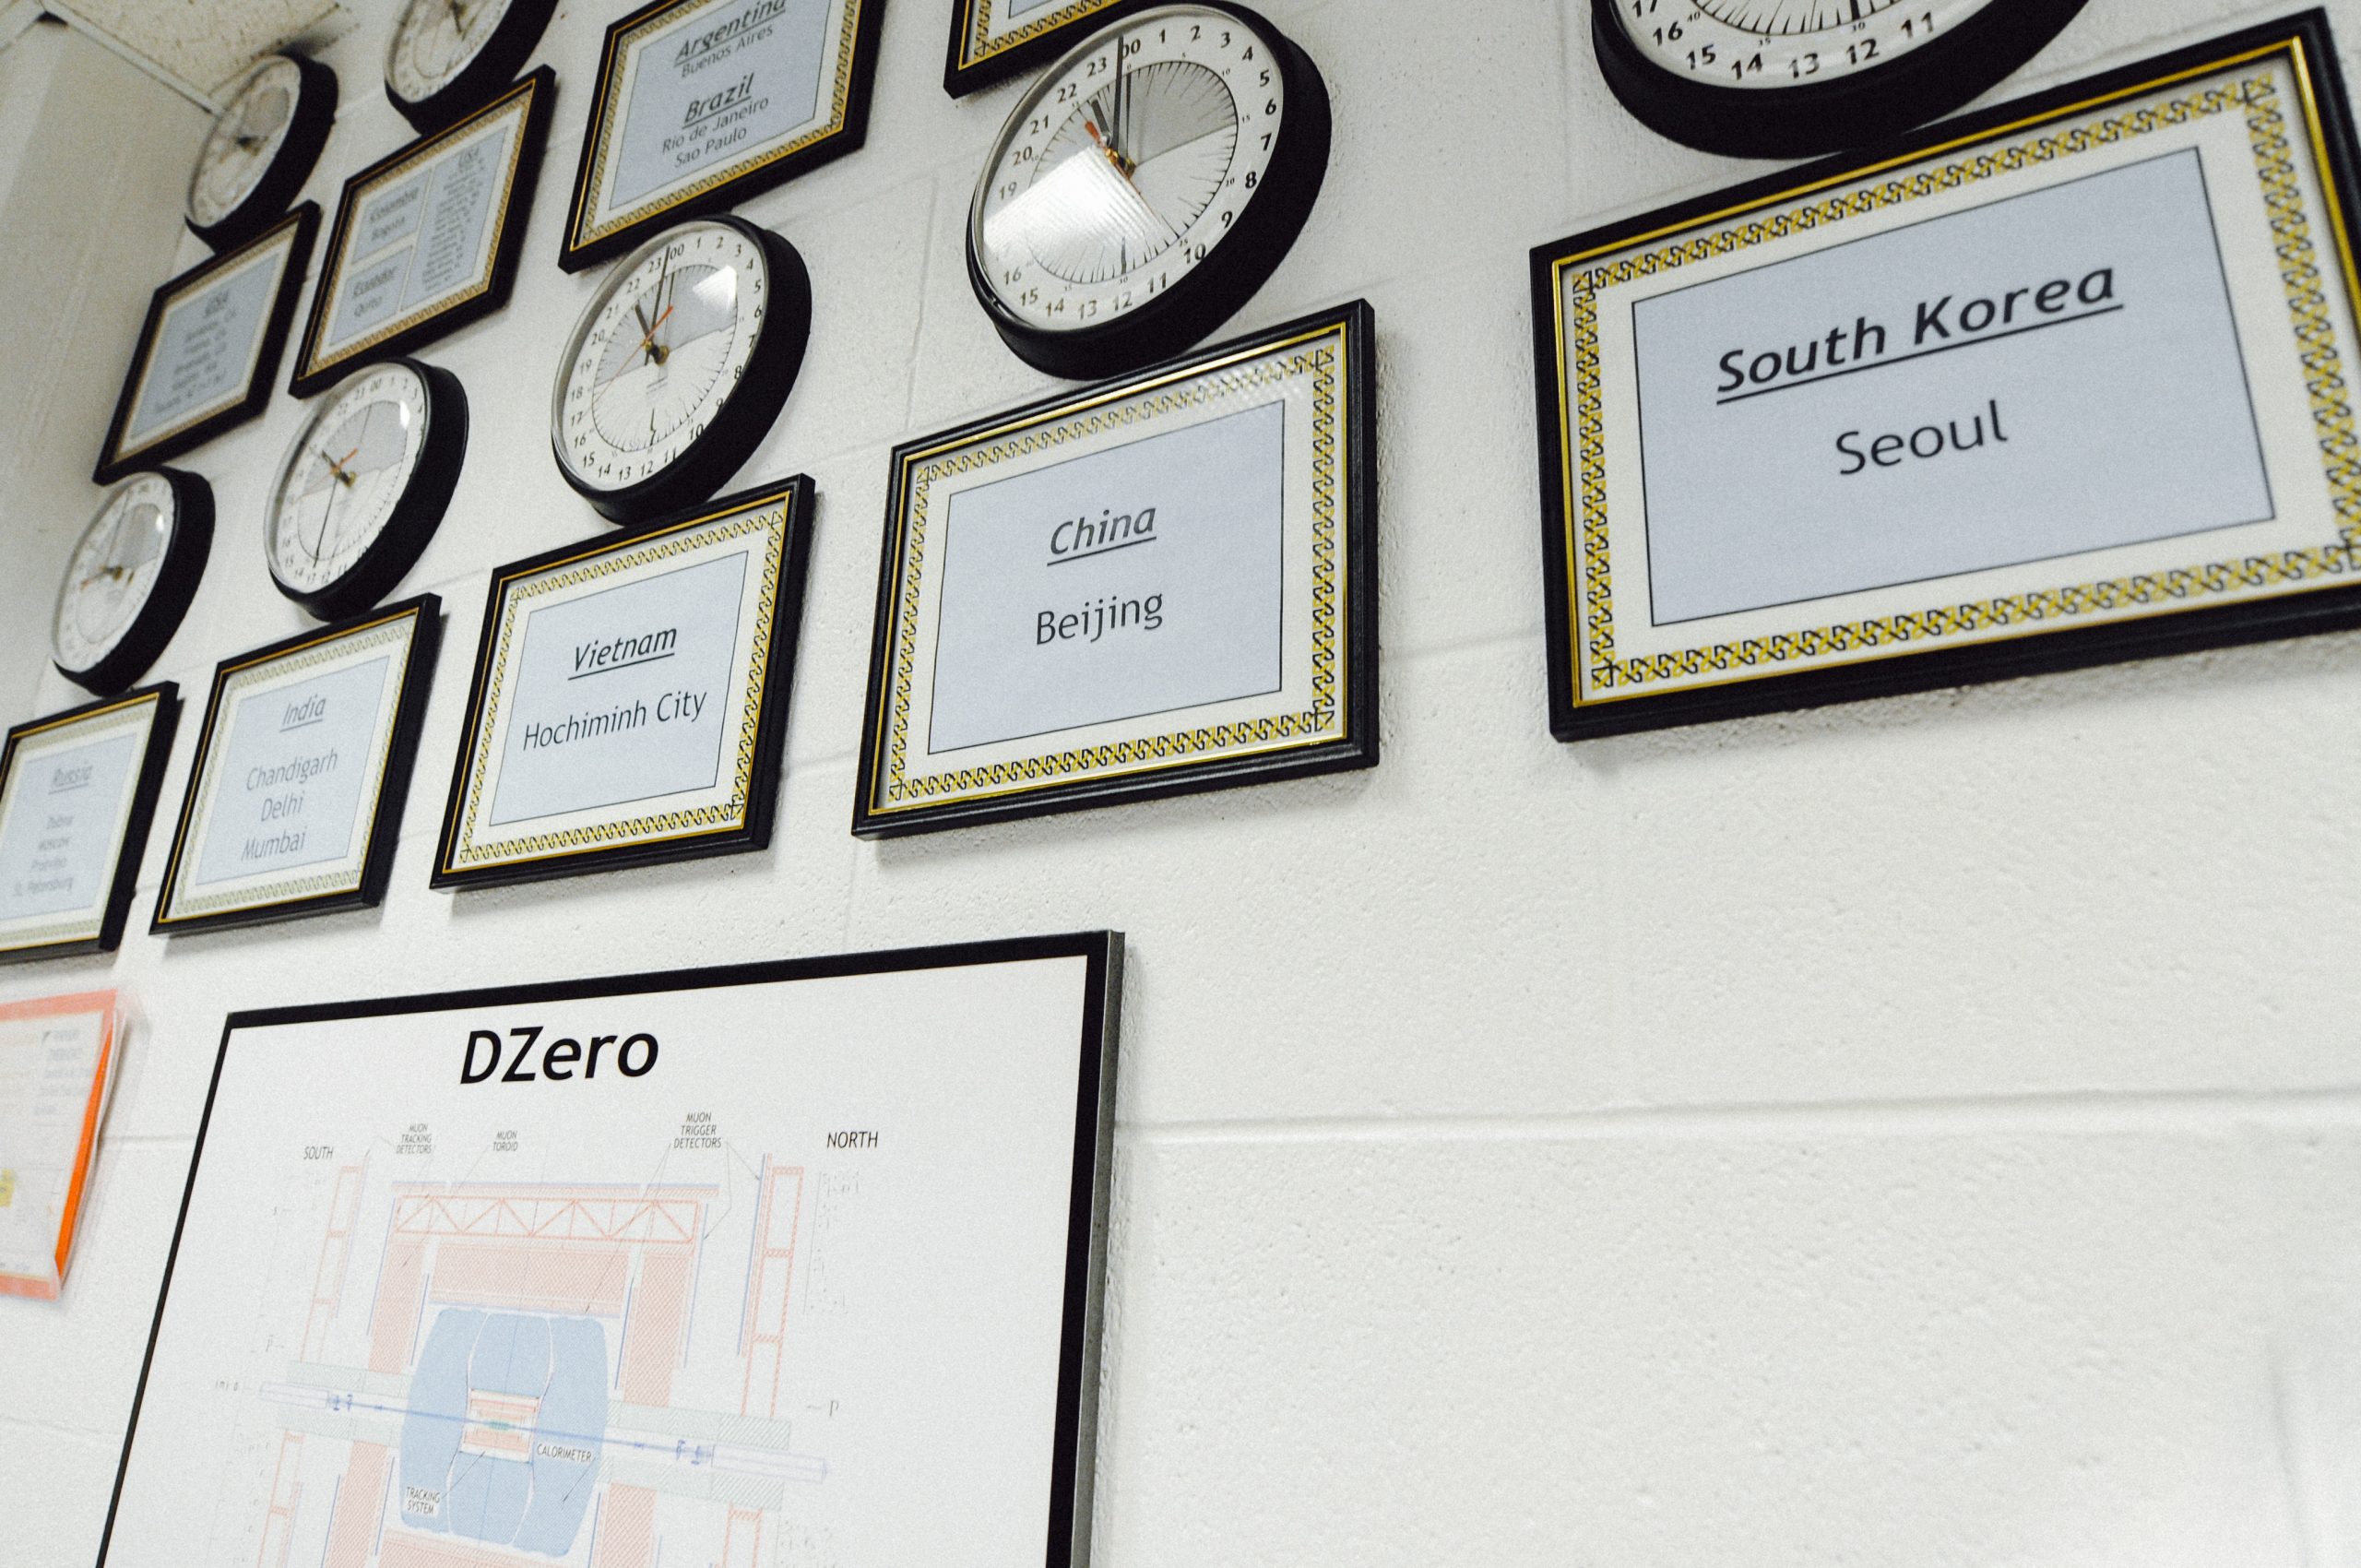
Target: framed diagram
2057 383
208 349
1161 584
629 701
722 1265
699 104
77 794
426 240
295 799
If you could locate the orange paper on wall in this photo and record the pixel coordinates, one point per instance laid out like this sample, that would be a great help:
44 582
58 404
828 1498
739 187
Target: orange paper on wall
56 1059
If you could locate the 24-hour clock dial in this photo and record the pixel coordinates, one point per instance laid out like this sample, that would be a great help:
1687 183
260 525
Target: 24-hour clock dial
676 371
131 579
447 56
1792 77
1145 187
260 149
364 485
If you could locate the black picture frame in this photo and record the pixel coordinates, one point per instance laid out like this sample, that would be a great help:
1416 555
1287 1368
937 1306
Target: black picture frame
298 230
579 249
124 878
314 373
797 495
2305 37
968 68
1357 745
384 829
1066 1540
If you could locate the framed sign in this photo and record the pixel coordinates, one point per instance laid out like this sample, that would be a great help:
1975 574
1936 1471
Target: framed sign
295 798
994 39
77 792
1162 584
2054 384
208 349
57 1058
735 1261
426 240
701 103
630 695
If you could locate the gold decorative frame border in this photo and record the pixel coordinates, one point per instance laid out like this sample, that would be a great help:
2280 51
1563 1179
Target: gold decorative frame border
517 100
1319 355
1587 553
606 124
977 44
768 516
400 629
82 930
279 238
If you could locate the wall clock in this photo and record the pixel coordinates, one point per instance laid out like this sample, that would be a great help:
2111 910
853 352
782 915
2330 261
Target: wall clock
261 149
447 56
364 485
1145 187
676 371
1792 78
131 579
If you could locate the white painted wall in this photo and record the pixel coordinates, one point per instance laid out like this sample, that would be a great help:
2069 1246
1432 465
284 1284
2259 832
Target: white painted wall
1924 1133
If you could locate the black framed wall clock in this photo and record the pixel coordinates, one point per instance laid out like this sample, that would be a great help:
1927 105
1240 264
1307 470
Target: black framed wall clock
444 58
363 486
208 348
1793 78
261 149
426 240
994 39
699 104
675 372
132 577
1142 190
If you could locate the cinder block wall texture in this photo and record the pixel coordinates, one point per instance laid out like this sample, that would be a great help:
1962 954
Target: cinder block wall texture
1924 1133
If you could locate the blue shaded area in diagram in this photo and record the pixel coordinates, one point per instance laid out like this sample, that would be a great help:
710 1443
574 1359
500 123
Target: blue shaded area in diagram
537 1500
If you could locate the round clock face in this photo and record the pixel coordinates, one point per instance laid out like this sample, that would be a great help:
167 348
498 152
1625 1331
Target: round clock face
245 141
1175 151
112 581
436 40
346 477
654 362
1794 78
1775 43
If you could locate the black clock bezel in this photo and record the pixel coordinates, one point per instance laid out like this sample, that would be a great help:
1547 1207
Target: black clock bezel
416 516
176 583
496 65
307 136
1198 305
1813 118
748 411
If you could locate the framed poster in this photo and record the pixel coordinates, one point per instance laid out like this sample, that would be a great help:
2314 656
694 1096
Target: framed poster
629 703
426 240
295 799
57 1058
739 1261
77 792
700 104
2054 384
208 349
1162 584
994 39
